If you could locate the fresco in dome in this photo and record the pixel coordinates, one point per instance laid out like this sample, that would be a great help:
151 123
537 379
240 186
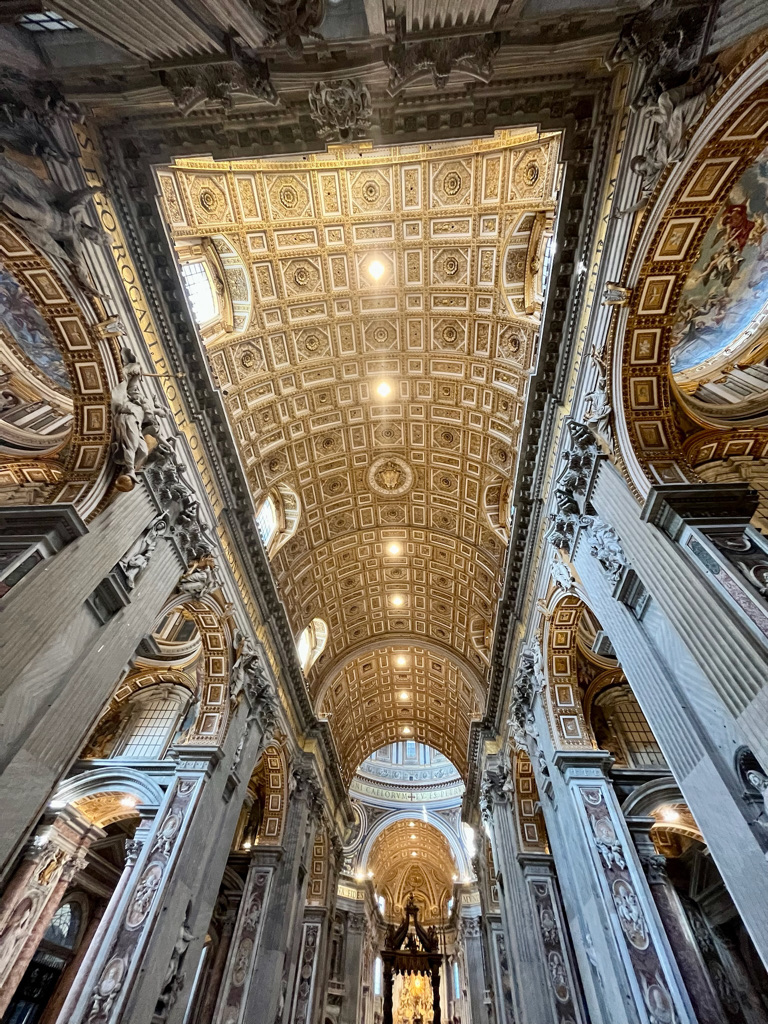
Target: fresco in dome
727 288
20 319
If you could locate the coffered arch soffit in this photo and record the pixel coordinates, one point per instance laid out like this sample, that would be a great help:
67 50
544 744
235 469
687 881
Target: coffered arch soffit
694 272
380 694
445 324
423 865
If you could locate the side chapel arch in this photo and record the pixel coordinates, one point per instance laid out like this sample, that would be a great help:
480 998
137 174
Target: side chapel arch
58 356
683 271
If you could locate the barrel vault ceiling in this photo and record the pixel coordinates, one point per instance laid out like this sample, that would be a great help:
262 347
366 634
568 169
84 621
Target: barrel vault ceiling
403 488
413 857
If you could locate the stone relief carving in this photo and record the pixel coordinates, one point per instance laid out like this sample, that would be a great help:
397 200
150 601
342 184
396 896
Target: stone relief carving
578 459
673 113
29 112
604 545
607 842
495 787
473 54
54 219
175 977
560 573
564 521
216 85
201 578
133 565
529 681
667 44
341 109
166 474
286 21
616 294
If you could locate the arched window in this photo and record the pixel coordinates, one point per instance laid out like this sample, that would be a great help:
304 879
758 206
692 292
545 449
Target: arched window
277 518
64 928
266 521
311 644
377 976
456 980
382 904
154 716
199 291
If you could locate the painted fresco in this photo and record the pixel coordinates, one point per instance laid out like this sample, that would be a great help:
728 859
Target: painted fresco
20 319
727 290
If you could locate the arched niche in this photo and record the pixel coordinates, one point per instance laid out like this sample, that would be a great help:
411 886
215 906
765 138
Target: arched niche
55 365
198 664
697 295
588 702
263 820
217 284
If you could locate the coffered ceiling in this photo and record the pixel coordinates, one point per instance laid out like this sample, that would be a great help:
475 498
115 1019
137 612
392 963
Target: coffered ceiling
378 316
413 857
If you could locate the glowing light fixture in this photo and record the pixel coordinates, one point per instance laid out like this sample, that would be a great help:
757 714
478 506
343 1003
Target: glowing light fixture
397 600
376 269
404 695
394 549
413 835
384 389
128 801
406 731
413 853
247 845
668 814
401 660
455 878
411 824
370 874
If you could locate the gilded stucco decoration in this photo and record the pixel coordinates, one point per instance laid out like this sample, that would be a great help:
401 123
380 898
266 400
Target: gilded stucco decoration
694 272
53 371
374 267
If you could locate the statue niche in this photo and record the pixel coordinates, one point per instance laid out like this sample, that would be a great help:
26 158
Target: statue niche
411 950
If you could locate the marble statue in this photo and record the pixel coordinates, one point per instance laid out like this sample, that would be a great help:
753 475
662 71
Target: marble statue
201 578
54 219
133 565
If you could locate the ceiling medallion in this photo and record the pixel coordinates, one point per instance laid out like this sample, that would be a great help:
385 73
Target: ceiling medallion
451 266
288 196
452 183
390 475
207 200
531 173
371 191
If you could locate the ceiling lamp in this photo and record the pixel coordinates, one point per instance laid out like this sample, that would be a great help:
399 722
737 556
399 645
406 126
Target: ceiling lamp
376 269
397 600
413 836
406 731
404 695
128 801
413 853
394 549
411 824
668 814
402 661
384 389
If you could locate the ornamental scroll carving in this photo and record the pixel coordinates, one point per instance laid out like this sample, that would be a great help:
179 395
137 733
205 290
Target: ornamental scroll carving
217 84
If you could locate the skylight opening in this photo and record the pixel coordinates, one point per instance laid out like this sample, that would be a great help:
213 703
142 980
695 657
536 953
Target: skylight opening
199 292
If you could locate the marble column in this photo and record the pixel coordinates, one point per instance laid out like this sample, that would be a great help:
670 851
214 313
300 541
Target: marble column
695 727
268 997
472 944
565 984
528 975
634 971
310 964
698 983
132 851
354 950
150 953
74 660
55 855
226 915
